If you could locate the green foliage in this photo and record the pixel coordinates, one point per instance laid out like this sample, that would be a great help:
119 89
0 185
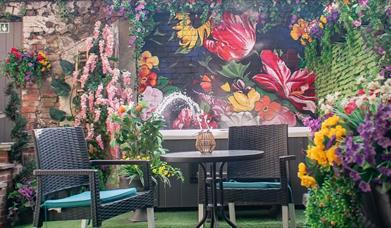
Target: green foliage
67 67
21 197
142 139
165 87
18 133
335 204
234 70
61 87
57 114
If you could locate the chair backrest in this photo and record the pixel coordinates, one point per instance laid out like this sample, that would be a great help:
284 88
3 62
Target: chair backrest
61 148
272 139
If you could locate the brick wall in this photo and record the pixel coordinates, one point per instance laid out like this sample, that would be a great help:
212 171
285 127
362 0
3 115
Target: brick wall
6 173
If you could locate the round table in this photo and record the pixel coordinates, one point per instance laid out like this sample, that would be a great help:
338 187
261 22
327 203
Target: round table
213 158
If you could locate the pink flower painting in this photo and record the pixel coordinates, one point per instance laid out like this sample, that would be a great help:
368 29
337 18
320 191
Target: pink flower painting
297 87
233 38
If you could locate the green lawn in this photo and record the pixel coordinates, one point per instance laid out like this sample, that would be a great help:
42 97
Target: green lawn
171 219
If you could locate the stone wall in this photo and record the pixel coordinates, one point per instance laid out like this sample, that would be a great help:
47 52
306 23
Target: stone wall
61 38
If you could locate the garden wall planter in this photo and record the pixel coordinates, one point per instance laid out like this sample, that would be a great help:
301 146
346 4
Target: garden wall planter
376 207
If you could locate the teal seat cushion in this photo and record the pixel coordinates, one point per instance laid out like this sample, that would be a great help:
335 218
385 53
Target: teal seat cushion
251 185
84 199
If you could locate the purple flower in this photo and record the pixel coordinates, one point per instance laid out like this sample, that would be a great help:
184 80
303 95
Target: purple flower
380 50
330 142
316 31
385 171
388 12
364 186
355 175
333 16
313 124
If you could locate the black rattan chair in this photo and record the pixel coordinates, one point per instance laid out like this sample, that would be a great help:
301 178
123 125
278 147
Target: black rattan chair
263 181
64 169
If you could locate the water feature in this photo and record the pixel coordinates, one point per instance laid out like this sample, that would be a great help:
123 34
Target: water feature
178 100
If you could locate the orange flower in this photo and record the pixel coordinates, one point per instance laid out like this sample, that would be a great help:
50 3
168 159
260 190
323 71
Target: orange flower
121 109
139 108
206 83
148 60
146 78
346 2
267 109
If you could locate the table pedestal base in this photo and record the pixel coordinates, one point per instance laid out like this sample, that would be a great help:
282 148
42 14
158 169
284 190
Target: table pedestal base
215 206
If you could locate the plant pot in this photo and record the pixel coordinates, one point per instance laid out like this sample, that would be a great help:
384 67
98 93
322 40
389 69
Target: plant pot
140 214
376 207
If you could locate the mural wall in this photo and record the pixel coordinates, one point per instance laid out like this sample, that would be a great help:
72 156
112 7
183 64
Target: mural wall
221 74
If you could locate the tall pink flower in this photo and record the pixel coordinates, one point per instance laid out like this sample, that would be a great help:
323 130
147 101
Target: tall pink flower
297 87
100 141
97 29
109 40
233 38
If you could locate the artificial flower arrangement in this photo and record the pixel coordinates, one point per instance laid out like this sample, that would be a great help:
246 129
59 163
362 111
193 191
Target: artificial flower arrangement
140 139
26 67
349 150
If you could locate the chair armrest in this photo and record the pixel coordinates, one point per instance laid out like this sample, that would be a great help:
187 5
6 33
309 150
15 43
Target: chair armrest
92 177
64 172
145 163
287 158
119 162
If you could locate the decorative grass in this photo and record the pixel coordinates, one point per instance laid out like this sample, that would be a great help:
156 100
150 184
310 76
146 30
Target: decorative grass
183 219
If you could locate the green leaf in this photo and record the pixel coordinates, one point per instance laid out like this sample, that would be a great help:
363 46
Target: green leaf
61 87
66 66
234 70
163 81
170 89
57 114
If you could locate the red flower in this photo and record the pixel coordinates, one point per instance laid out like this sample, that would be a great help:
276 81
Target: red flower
350 107
16 53
361 92
233 38
146 78
298 87
184 119
205 121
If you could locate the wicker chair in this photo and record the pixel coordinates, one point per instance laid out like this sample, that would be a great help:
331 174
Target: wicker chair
263 181
64 167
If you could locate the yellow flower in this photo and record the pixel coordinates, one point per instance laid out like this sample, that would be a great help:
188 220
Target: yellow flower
319 138
323 19
302 170
188 35
339 132
308 181
148 60
331 121
332 156
243 103
226 87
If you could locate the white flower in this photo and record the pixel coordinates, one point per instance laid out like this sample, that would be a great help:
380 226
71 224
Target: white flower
239 119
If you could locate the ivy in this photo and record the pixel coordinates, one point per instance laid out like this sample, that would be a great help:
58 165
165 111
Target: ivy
57 114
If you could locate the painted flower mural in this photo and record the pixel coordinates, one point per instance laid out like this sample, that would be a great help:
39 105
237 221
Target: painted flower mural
297 87
206 74
189 35
234 38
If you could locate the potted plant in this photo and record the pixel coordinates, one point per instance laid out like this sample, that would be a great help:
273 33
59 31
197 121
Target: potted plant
139 137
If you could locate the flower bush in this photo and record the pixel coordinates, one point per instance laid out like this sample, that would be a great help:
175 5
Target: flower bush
26 67
141 139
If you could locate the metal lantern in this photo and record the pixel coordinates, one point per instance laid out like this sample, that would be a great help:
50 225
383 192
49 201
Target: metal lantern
205 142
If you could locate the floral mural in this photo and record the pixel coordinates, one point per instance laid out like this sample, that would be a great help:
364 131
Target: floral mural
216 74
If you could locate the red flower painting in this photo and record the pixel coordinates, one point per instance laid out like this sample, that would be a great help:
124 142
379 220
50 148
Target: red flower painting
271 112
297 87
233 38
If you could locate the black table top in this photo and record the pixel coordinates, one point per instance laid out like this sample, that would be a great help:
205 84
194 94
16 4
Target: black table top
215 156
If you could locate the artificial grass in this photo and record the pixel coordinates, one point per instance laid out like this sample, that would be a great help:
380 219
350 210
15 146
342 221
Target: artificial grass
183 219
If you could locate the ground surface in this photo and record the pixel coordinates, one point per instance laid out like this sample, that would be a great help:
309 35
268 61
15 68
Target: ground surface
184 219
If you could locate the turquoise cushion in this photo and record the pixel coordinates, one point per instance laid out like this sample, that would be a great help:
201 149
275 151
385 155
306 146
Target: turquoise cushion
84 199
252 185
